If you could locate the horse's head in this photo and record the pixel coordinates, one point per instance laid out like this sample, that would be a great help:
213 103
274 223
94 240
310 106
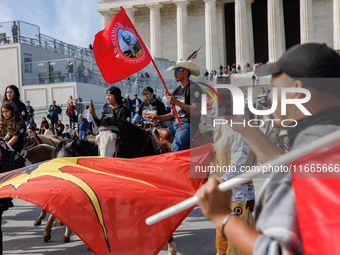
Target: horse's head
108 141
120 138
75 148
108 138
64 149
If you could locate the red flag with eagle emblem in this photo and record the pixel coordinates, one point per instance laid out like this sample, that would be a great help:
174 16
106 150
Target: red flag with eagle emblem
106 201
119 50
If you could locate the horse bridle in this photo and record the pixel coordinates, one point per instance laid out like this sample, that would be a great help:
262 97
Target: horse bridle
115 130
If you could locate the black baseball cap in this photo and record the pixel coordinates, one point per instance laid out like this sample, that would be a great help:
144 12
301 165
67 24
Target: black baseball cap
116 92
315 64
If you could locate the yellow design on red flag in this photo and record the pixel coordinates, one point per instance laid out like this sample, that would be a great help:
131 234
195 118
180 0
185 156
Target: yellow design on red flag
105 201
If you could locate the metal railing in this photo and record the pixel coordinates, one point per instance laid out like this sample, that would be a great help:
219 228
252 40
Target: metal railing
22 32
53 71
43 72
40 112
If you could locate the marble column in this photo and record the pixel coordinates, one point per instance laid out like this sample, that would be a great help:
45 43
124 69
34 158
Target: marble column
211 42
182 30
276 33
306 21
220 15
130 11
250 33
156 49
336 24
242 35
106 18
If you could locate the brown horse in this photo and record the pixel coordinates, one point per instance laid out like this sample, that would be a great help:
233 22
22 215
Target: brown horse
52 140
39 153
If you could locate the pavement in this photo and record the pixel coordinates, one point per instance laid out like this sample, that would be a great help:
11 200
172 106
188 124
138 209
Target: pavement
195 236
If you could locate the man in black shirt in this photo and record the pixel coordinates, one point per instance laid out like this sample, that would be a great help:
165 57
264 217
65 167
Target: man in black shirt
186 98
150 106
114 99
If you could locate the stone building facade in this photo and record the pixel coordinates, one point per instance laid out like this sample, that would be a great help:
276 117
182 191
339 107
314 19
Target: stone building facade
230 31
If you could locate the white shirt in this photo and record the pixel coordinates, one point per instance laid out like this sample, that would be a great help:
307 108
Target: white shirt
166 101
88 116
67 130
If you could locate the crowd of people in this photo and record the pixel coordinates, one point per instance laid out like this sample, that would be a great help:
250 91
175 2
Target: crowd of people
78 127
52 125
229 70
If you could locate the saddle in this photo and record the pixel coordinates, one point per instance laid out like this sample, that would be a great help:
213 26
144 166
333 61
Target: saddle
164 140
31 142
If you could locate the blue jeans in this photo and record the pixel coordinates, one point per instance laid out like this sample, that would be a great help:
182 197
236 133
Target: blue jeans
82 134
181 137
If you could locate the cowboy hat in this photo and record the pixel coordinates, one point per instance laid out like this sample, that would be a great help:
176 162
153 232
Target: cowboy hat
186 65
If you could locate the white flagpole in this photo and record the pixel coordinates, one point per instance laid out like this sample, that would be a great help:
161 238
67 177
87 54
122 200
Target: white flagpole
327 142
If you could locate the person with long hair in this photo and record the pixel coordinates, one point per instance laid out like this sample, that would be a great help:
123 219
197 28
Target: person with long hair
12 95
42 125
12 126
60 128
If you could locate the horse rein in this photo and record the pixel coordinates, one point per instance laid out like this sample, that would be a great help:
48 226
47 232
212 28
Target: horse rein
151 128
113 129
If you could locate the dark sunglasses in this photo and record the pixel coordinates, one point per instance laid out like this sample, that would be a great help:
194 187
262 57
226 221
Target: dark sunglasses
177 70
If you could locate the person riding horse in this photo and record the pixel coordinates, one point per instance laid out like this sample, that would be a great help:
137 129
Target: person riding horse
151 106
186 98
114 99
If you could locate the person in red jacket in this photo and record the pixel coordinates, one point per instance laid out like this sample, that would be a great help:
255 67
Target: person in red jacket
71 113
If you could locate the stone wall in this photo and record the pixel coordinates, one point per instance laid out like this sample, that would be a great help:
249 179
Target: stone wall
323 21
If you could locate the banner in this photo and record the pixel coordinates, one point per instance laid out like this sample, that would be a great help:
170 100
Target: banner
119 50
105 201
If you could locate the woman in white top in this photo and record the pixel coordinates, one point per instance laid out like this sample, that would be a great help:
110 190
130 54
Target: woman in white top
89 118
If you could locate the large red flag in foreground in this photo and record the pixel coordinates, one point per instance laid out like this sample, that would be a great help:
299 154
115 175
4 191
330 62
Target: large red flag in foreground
316 183
119 50
105 201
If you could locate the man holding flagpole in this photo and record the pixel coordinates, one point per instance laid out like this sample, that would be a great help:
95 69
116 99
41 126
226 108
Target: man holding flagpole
186 99
316 68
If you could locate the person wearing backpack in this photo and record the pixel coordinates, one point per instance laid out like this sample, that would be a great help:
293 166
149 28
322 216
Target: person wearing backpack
54 110
71 113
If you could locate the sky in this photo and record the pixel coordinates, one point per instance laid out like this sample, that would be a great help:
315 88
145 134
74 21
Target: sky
71 21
